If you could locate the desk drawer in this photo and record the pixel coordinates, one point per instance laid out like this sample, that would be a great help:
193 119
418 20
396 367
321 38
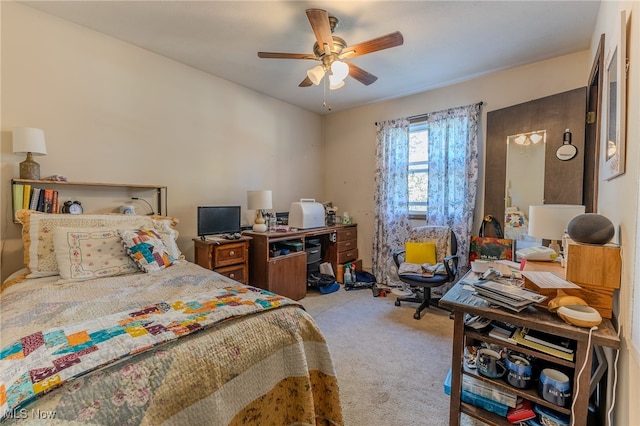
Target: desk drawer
235 272
229 254
350 233
347 256
347 245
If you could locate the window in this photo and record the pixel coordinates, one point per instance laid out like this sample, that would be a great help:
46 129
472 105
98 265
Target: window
418 169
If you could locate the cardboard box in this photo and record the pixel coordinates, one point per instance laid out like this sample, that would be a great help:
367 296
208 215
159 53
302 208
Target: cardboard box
340 271
594 266
598 298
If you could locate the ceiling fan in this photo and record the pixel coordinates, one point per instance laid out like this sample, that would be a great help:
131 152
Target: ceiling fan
332 52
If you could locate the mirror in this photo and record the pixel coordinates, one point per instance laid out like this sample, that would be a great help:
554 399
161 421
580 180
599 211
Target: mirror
563 180
524 181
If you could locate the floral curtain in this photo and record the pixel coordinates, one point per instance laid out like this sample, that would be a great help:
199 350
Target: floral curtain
453 183
391 213
453 172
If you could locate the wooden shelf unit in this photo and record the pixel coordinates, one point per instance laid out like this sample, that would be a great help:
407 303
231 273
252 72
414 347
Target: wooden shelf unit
161 191
461 301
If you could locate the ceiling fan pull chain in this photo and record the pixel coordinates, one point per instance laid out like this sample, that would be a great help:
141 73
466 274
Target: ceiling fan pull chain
324 95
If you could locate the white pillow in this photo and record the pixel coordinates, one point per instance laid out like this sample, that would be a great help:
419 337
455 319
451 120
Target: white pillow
37 234
87 253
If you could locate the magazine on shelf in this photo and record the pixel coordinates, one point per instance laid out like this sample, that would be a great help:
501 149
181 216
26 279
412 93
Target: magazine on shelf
557 342
501 334
518 338
477 400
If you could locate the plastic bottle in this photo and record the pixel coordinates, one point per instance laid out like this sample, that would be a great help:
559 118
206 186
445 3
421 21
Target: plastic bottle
347 274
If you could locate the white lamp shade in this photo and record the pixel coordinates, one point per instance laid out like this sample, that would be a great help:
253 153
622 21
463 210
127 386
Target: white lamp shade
335 85
259 200
29 139
339 70
315 74
550 221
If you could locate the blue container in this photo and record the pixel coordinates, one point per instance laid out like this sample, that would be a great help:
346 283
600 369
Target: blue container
555 387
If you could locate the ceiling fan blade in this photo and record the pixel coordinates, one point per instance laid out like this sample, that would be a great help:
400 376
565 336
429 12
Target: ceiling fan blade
305 83
276 55
319 20
361 75
380 43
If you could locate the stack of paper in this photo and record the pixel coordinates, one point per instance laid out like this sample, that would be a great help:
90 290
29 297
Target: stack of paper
506 295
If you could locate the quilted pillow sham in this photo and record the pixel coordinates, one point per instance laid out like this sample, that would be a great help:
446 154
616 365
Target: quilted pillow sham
87 253
38 227
147 249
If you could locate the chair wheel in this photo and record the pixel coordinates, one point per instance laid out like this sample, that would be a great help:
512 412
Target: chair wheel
397 303
416 315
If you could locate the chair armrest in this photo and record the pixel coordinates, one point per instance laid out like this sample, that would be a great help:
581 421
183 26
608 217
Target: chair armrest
451 265
396 257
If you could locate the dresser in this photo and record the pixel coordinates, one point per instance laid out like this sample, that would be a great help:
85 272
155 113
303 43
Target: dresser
226 257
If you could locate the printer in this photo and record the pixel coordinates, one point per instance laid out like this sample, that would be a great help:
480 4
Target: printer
306 213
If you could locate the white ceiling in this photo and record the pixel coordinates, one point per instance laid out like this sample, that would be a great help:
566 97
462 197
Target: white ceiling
444 41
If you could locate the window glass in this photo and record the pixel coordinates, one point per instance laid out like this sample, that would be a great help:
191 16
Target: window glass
418 168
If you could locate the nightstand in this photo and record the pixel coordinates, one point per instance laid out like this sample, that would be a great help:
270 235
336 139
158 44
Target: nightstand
226 257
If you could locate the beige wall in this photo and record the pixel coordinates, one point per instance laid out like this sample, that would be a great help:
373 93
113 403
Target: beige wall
350 136
119 114
116 113
618 200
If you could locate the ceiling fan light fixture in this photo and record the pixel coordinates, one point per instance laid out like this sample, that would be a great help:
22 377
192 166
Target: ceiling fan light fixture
339 70
316 74
336 86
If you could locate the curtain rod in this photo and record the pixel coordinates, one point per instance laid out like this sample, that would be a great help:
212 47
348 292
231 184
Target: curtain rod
413 117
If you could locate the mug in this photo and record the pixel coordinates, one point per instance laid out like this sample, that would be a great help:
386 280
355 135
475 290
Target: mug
489 363
520 371
554 386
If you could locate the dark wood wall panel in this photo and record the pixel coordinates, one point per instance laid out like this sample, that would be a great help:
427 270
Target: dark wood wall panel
563 179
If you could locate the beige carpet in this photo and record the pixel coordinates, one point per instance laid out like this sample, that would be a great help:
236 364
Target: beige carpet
390 367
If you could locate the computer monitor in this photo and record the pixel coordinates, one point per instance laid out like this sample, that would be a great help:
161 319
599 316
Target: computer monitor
217 220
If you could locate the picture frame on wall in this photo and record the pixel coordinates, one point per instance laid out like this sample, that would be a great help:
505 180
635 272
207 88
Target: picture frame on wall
614 112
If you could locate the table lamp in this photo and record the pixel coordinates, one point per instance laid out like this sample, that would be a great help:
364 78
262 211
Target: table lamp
29 140
550 221
259 201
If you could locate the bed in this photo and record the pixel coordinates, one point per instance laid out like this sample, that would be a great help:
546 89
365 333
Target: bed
88 336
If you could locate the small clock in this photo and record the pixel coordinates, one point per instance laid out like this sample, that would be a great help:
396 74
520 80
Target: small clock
72 207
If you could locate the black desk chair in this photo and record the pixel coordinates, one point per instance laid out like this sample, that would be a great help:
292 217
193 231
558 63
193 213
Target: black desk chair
446 254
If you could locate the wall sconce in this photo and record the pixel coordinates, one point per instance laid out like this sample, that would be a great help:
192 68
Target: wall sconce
29 140
566 151
259 201
526 139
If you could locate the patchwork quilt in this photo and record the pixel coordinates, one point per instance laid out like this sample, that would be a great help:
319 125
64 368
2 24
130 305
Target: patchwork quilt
180 346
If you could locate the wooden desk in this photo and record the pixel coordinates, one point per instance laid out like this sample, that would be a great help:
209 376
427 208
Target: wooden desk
287 274
461 300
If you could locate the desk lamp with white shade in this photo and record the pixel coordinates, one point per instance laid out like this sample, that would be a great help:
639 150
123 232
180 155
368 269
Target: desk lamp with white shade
550 221
259 201
30 141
